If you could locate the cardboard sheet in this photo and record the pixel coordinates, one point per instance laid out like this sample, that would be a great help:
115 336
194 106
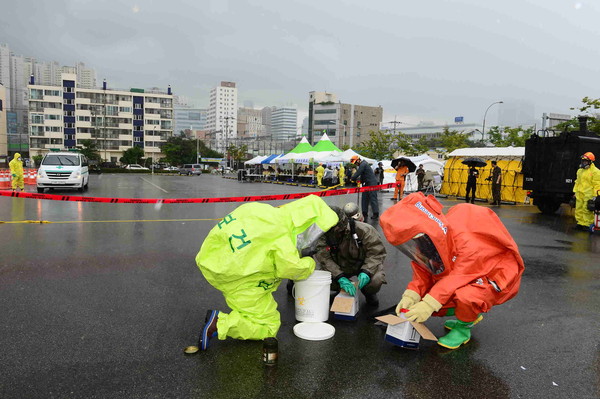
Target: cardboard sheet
391 319
342 305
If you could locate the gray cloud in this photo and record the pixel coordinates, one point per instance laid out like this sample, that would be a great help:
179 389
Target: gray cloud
429 60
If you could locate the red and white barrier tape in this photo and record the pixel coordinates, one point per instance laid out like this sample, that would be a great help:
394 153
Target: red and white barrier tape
278 197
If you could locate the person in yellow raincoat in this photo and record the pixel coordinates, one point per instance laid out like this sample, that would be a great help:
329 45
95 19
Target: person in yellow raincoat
249 252
16 171
320 172
342 175
586 187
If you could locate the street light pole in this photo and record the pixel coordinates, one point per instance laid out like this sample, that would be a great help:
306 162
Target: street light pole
484 115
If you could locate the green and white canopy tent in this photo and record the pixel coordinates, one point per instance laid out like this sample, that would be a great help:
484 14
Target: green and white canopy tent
300 152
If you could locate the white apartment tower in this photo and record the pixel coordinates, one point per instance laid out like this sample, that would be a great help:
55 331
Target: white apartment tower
222 113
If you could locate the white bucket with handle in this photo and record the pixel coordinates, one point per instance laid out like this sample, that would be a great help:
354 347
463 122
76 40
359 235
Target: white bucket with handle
312 297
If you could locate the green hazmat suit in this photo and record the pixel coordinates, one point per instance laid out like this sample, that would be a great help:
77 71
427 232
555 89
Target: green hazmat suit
249 252
16 171
586 187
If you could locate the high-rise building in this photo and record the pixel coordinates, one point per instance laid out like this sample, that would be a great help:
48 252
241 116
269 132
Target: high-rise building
5 71
345 124
267 119
222 113
117 120
3 126
250 123
284 122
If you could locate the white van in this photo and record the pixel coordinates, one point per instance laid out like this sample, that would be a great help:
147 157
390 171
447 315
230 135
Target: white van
63 170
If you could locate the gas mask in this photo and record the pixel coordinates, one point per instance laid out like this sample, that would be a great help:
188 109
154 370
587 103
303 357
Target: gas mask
423 252
585 163
307 240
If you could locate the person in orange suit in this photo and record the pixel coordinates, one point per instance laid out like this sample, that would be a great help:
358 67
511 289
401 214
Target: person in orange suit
464 262
401 172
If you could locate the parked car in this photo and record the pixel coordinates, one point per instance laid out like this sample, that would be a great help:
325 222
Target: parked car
135 166
111 165
171 168
191 169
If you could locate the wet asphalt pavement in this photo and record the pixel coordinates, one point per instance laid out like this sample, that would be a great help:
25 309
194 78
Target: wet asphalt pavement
100 303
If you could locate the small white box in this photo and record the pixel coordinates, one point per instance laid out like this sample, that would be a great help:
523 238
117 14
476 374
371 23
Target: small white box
345 306
405 334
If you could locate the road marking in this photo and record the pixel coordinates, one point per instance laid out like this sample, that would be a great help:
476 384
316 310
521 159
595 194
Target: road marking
160 188
104 221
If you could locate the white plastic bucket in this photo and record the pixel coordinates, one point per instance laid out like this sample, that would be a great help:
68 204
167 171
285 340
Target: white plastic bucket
312 297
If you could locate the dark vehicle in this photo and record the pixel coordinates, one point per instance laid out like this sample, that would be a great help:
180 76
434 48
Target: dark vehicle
109 165
551 163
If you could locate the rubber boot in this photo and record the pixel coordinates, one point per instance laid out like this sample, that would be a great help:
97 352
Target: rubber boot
449 324
460 334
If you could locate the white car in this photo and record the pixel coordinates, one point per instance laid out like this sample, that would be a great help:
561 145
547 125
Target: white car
135 166
63 170
171 168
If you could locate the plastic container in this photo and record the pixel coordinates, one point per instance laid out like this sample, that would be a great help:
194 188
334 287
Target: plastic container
312 297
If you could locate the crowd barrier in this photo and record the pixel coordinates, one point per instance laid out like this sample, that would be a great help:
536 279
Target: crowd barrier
278 197
29 177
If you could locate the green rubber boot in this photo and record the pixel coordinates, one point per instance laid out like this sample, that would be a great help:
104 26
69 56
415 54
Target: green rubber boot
460 334
449 324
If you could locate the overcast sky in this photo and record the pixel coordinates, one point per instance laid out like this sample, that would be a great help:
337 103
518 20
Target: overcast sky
420 60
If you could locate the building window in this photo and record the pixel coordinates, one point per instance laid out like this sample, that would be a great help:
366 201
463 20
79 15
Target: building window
137 106
137 139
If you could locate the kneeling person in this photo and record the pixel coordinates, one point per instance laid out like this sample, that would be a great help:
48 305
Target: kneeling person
352 248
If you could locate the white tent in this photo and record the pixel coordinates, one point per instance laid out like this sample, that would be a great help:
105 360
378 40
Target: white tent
411 184
349 153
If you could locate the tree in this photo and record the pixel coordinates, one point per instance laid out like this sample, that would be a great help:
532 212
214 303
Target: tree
380 145
407 145
453 139
511 136
237 153
89 149
181 150
132 155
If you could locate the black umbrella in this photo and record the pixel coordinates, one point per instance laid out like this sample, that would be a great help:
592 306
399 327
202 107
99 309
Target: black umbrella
411 166
473 161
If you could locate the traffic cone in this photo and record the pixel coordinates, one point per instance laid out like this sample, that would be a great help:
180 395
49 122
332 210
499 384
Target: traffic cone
4 180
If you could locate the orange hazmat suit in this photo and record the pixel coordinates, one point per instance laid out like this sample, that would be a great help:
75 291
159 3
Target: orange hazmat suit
481 267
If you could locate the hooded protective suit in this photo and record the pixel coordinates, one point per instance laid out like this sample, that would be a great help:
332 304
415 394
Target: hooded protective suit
339 253
320 172
586 187
481 267
246 255
16 171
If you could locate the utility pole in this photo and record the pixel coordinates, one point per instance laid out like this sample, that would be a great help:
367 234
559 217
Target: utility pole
104 119
395 123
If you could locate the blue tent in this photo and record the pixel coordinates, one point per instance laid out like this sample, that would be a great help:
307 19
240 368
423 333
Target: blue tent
270 158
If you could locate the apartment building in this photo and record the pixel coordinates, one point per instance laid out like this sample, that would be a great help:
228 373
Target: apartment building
345 124
116 119
3 126
222 113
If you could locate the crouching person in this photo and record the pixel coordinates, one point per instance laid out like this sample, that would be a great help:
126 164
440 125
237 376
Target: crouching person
352 248
246 255
464 262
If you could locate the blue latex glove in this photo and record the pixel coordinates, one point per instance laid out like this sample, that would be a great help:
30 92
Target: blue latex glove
347 286
363 279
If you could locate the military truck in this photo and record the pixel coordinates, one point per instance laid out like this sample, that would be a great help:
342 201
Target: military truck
551 163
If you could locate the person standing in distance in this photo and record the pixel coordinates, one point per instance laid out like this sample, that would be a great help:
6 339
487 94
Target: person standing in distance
420 172
471 183
496 179
401 172
586 187
366 176
16 171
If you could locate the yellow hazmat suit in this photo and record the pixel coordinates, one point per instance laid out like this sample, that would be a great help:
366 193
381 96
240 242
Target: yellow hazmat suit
249 252
586 186
16 170
320 171
342 175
